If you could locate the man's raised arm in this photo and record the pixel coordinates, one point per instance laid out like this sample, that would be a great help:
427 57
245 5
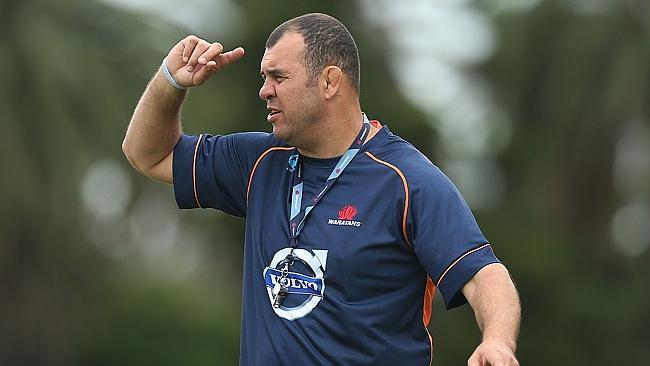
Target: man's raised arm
155 126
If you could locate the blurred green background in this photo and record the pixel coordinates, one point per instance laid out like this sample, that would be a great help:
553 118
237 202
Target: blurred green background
537 109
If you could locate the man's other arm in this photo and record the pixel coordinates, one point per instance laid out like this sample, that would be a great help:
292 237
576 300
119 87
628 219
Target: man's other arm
495 302
155 126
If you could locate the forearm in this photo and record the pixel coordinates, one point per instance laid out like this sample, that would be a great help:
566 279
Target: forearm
494 299
155 125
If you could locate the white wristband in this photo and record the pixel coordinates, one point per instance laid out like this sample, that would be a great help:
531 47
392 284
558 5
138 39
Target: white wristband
169 76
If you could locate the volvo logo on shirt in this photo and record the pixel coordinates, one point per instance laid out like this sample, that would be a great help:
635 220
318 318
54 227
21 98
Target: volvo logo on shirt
346 216
307 288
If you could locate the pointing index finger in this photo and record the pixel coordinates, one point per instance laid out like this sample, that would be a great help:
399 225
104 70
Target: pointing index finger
231 56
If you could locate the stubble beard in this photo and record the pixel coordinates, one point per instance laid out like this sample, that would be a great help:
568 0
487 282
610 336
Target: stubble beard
295 133
301 129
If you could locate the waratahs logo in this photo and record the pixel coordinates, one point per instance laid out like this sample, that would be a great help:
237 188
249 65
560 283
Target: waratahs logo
304 281
346 216
347 213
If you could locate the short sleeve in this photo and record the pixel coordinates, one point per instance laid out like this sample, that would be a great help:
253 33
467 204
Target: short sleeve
445 235
212 171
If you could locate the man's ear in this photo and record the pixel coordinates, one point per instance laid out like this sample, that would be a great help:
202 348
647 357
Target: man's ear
331 79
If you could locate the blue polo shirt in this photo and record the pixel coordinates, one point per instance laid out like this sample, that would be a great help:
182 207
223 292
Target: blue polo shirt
391 230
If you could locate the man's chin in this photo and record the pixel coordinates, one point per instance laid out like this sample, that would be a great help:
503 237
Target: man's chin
279 133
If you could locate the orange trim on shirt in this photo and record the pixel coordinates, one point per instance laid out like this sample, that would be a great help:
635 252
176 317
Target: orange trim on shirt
196 150
250 179
429 294
406 193
458 260
430 345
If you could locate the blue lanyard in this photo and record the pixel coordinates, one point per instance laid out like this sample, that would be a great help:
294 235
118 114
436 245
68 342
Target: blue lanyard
298 214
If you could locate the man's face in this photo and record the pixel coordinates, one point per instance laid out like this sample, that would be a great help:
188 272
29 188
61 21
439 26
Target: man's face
293 106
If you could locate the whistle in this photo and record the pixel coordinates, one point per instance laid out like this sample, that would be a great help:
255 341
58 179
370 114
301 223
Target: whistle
279 298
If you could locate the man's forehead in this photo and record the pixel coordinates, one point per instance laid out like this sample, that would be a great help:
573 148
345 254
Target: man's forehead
288 48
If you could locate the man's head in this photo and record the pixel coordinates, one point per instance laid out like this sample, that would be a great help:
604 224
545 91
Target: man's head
327 42
310 68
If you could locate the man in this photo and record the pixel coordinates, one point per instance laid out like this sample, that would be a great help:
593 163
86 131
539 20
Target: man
349 229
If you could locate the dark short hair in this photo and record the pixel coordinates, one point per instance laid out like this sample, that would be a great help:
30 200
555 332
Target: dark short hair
327 43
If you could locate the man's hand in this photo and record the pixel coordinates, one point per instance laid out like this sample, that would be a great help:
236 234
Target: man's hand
193 61
493 353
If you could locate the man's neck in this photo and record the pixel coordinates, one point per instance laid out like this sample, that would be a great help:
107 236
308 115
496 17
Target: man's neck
335 137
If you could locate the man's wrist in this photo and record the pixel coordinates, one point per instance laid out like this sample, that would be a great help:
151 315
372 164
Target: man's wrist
511 344
169 77
166 96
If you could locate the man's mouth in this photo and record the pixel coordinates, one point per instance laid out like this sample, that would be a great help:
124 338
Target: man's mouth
272 114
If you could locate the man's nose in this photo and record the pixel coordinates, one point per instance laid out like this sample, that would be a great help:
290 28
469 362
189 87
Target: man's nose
267 90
